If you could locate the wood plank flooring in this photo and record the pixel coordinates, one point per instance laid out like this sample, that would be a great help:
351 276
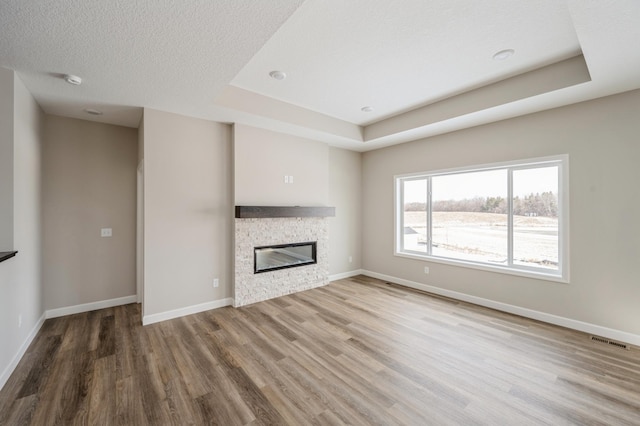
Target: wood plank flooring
359 351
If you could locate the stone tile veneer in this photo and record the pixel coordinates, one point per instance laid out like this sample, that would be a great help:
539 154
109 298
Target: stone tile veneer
250 233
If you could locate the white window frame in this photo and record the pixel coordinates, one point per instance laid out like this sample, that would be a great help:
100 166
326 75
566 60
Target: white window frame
562 275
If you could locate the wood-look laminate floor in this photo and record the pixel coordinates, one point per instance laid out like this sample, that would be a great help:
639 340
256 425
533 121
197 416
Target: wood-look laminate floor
358 351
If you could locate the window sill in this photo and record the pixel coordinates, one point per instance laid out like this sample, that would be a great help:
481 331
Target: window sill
4 255
496 269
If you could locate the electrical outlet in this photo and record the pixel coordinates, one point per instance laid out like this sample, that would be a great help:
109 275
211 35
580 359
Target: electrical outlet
350 259
216 282
426 269
106 232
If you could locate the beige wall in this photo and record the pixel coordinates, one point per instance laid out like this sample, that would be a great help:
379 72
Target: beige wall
187 210
20 276
262 158
6 158
601 138
345 230
89 183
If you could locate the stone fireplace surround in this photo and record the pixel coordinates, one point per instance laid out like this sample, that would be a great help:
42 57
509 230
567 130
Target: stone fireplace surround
257 226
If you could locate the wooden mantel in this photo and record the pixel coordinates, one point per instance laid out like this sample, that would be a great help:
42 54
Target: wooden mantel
252 212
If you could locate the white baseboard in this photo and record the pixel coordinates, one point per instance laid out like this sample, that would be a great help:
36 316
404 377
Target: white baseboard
86 307
585 327
16 359
343 275
194 309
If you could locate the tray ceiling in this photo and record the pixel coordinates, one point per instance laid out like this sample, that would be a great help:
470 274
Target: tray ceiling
416 63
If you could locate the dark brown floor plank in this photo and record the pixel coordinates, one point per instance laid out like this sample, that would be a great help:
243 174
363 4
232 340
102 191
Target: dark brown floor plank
106 337
41 364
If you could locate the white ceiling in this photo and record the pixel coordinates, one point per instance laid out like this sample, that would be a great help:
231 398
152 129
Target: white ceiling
425 67
396 55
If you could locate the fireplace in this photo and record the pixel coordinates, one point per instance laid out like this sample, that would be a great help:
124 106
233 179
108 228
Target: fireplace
282 256
301 234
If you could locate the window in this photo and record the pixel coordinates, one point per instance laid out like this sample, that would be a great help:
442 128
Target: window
508 217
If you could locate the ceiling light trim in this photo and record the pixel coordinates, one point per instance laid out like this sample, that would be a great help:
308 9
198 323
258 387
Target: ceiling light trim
503 55
278 75
73 79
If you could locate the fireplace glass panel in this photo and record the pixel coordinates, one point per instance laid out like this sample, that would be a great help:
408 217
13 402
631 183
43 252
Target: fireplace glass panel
270 258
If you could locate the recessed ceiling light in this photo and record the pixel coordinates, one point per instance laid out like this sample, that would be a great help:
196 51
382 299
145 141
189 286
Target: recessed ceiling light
92 111
503 54
366 109
73 79
278 75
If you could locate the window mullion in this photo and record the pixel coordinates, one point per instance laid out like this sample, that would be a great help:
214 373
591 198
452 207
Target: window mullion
400 214
510 217
429 221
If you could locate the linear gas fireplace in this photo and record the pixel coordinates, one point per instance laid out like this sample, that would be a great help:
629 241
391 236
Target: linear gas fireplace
282 256
259 228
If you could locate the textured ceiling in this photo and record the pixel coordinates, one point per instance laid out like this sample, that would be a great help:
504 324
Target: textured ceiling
424 66
164 54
